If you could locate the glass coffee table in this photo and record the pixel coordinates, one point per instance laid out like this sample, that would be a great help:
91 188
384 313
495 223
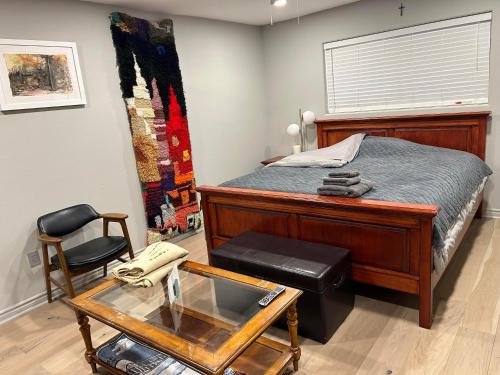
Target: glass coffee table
215 323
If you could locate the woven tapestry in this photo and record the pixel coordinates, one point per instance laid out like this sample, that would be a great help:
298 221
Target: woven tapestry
152 87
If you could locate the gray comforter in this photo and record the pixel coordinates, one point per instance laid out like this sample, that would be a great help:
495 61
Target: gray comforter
401 171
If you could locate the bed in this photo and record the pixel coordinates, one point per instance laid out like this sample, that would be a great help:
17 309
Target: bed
391 242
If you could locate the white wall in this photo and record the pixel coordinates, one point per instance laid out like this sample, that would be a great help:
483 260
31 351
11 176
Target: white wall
293 61
53 158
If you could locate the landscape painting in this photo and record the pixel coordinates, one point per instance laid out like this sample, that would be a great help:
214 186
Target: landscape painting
38 74
34 74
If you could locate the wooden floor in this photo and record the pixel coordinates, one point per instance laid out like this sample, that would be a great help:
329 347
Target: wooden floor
378 337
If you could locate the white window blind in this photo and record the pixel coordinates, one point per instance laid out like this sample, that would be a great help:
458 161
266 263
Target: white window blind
438 64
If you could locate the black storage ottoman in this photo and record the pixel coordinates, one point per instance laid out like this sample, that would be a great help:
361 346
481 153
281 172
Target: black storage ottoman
323 272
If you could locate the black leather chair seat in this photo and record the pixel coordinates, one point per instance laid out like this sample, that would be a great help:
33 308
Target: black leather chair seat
92 251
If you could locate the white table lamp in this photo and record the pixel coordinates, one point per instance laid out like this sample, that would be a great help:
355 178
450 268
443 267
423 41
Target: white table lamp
306 118
293 130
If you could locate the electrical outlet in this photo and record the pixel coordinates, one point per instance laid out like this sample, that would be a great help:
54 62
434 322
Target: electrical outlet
34 258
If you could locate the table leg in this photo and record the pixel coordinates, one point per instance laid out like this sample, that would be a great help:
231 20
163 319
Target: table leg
293 324
83 322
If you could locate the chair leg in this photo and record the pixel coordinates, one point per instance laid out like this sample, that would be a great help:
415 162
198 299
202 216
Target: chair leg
69 283
46 270
123 224
66 272
105 270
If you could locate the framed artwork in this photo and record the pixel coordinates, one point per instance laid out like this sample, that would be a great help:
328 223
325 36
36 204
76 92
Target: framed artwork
39 74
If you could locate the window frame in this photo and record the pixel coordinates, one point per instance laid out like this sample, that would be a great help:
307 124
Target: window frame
399 32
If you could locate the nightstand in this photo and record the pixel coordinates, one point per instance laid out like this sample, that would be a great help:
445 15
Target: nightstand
272 160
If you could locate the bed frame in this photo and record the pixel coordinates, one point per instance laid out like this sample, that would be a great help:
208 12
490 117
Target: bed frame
390 242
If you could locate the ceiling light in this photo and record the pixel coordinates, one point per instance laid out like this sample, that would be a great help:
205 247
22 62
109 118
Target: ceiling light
278 3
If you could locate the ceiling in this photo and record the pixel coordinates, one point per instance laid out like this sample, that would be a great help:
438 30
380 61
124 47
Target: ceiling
251 12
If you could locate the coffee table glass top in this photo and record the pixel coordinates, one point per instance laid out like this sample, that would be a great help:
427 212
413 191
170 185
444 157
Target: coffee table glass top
209 310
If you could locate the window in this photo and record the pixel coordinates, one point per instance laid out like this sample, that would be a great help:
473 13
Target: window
438 64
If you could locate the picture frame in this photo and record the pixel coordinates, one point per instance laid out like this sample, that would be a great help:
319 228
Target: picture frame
39 74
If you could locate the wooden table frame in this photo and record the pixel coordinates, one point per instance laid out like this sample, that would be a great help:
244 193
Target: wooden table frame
181 349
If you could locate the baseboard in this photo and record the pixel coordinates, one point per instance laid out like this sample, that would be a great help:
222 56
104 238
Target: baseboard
493 213
40 299
31 303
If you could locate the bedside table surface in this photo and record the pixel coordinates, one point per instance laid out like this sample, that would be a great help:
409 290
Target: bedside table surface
272 160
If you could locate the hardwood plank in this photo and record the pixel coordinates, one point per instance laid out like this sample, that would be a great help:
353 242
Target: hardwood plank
433 347
494 367
496 347
193 244
483 308
461 274
349 347
9 358
394 344
470 353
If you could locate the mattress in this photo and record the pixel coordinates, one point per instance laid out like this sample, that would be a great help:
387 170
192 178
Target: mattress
401 171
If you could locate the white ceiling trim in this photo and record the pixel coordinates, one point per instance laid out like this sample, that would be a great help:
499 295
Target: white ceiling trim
250 12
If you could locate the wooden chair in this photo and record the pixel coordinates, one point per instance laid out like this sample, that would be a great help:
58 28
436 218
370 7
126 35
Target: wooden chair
85 257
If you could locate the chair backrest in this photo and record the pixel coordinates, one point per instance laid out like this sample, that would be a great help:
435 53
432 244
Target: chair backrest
67 220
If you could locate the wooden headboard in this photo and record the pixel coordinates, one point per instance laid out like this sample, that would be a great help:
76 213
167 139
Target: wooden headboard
460 131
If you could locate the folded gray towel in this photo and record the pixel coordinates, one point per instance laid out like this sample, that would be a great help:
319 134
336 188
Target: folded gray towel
342 181
352 191
347 174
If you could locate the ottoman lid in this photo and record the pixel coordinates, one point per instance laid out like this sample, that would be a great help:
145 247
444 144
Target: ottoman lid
296 263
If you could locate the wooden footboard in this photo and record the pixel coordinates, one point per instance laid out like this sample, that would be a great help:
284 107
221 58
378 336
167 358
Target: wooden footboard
390 243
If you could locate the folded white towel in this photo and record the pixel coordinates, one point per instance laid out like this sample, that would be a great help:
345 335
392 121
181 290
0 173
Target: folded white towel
154 277
150 266
334 156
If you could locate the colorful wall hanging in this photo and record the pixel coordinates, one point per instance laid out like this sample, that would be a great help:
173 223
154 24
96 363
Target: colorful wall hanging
152 87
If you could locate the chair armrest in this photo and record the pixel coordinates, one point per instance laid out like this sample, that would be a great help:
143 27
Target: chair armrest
114 216
48 239
120 218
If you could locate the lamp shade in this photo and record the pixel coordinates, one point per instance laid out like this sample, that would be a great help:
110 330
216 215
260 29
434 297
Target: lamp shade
278 3
308 117
293 130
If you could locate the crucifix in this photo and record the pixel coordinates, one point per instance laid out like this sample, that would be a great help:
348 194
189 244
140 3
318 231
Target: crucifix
402 9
